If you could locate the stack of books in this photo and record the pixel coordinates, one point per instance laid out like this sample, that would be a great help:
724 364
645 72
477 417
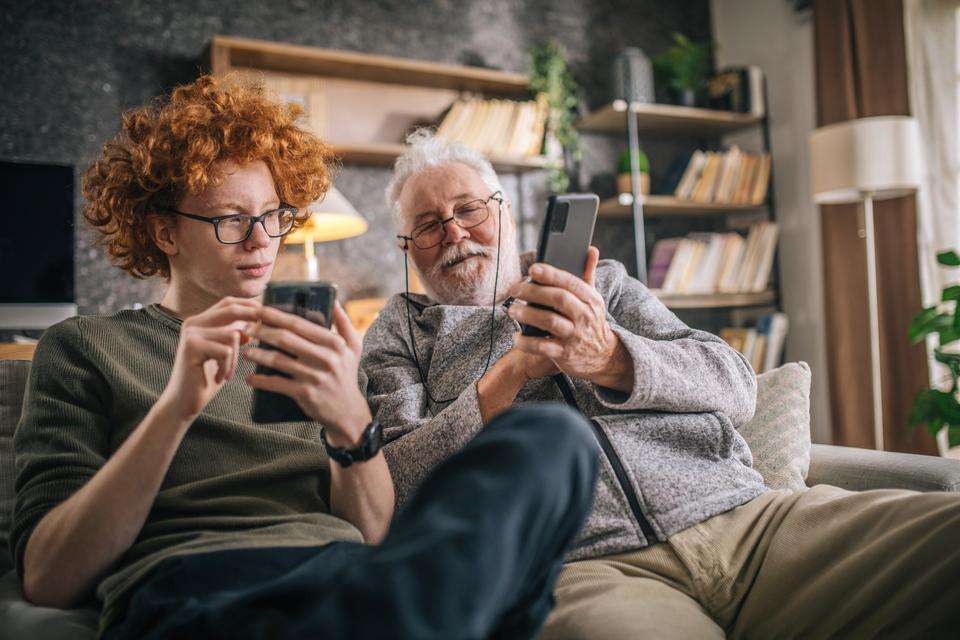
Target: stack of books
715 262
730 177
761 345
504 128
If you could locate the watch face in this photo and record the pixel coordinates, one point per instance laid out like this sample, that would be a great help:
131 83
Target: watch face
375 438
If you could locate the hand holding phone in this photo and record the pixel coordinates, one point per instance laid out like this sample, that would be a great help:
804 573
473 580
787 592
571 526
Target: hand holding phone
565 238
313 301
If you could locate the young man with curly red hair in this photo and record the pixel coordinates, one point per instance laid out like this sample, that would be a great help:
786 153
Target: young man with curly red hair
141 473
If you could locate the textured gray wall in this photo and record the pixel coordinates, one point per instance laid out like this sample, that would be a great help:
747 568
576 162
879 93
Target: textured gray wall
71 68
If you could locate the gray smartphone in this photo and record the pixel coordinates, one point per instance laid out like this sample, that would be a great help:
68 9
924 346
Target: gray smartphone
565 237
310 300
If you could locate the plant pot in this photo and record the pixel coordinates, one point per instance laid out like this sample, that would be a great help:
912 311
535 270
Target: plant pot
684 97
624 186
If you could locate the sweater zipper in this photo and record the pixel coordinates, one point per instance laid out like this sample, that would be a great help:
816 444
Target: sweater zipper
618 469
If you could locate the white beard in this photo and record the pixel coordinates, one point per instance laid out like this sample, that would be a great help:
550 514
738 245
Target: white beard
470 283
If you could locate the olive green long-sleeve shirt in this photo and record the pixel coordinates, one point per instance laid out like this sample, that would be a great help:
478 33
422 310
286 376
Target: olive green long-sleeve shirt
232 483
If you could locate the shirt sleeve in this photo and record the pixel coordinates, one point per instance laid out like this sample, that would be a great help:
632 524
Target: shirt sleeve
62 438
416 441
675 368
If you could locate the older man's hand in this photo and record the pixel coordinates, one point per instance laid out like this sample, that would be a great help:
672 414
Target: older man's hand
581 342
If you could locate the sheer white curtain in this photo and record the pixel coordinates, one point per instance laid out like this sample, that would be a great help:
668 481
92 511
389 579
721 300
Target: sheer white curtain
933 52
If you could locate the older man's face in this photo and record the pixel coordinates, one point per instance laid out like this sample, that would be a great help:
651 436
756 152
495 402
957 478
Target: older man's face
459 270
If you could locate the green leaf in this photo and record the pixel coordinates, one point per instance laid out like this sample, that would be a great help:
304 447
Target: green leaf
951 293
948 258
929 321
953 436
934 426
924 407
948 335
946 358
947 407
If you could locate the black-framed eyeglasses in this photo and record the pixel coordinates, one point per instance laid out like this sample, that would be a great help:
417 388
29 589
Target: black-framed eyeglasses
236 228
466 216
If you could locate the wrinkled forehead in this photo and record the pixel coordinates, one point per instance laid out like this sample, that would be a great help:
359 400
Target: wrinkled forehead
437 189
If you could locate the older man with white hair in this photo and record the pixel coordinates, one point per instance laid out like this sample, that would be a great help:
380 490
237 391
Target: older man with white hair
684 539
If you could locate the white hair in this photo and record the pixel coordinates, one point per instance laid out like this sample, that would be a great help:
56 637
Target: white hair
426 150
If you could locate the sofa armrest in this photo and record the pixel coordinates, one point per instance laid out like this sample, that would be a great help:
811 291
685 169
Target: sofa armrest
20 619
863 469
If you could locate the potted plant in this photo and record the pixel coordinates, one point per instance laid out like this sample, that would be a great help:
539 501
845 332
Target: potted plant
939 408
551 80
623 173
683 69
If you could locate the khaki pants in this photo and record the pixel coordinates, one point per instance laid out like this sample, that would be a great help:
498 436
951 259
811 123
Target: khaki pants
819 563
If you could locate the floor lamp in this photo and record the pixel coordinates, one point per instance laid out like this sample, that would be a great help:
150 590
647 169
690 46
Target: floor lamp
861 161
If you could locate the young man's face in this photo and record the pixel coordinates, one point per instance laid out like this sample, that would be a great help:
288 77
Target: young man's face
209 269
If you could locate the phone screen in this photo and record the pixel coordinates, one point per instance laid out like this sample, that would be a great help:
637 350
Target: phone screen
565 237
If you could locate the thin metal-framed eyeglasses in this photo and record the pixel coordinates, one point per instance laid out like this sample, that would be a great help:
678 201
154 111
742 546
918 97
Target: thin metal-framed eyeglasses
236 228
466 216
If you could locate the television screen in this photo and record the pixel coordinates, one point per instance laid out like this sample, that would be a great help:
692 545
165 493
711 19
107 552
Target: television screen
36 233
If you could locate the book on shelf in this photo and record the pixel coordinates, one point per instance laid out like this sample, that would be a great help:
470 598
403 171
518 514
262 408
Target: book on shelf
660 261
725 177
504 128
761 345
707 263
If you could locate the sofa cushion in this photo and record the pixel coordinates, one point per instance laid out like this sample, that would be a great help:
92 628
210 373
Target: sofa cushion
13 380
20 619
779 432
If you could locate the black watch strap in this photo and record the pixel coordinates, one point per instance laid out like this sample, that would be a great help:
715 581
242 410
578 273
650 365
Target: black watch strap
369 446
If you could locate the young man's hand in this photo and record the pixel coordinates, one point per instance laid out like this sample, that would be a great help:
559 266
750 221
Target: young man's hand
207 355
322 366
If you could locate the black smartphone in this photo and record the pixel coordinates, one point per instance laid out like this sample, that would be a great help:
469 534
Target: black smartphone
565 237
310 300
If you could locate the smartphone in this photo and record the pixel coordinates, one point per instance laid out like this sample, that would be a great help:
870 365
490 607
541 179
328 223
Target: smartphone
310 300
565 237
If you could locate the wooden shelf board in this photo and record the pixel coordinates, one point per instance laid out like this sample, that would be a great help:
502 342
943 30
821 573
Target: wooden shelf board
226 52
665 119
385 154
662 205
715 300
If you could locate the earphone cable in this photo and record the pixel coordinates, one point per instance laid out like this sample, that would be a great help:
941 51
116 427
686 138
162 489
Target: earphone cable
493 314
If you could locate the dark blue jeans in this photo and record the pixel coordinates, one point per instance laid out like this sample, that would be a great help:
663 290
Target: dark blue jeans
473 555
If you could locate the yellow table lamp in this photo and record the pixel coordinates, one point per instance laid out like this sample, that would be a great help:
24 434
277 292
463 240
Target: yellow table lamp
333 218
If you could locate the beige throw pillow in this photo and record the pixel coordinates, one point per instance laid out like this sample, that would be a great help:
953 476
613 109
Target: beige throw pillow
779 432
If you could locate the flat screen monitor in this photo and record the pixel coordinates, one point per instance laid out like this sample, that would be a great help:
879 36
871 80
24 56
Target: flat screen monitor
36 244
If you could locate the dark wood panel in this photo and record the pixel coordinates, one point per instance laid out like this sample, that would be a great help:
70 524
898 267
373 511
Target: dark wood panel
861 72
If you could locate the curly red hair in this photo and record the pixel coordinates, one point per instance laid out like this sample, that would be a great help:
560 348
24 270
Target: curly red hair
171 148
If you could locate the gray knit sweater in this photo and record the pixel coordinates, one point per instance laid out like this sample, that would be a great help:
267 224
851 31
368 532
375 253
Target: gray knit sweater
673 455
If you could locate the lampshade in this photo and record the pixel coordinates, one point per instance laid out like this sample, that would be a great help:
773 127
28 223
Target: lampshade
880 156
334 218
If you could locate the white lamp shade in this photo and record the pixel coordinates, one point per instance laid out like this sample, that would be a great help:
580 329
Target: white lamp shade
877 156
334 218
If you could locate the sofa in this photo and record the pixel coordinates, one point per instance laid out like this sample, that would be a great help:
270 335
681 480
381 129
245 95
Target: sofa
781 399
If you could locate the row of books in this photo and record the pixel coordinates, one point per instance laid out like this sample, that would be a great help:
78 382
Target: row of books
728 177
715 262
761 345
497 127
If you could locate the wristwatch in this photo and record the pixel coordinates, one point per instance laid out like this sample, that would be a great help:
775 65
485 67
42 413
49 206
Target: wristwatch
369 446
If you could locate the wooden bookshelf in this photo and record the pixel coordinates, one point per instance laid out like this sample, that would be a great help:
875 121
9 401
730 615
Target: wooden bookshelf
665 119
361 104
384 154
715 300
661 205
225 53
